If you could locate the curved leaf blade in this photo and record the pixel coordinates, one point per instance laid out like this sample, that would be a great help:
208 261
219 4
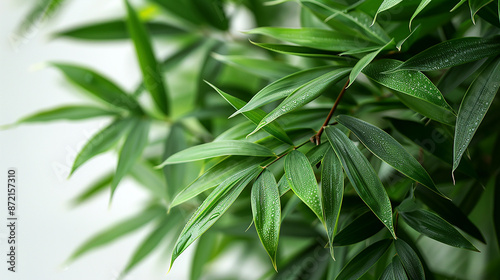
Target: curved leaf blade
362 176
386 5
410 260
364 61
300 177
385 147
301 51
266 210
358 230
72 112
394 271
420 7
475 6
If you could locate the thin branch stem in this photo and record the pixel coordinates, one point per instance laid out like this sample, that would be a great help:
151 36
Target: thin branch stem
316 139
284 154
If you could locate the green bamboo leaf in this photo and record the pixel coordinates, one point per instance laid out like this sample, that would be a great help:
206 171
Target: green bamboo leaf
358 230
317 153
304 94
364 61
152 241
457 75
436 228
97 187
300 177
451 53
322 39
213 13
118 230
382 145
205 249
458 5
99 86
267 69
362 176
212 208
266 209
255 116
135 142
151 70
175 175
399 45
301 51
474 106
115 30
409 260
283 185
475 6
360 50
76 112
214 176
416 90
394 271
420 7
363 261
332 192
182 9
144 173
386 5
283 87
217 149
102 141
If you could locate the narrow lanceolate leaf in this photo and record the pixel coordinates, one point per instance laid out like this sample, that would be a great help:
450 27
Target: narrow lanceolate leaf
332 192
382 145
363 261
452 53
410 260
93 190
255 116
214 176
321 39
363 62
39 13
475 6
386 5
300 177
266 209
136 141
458 5
205 250
283 87
416 90
394 271
76 112
301 51
304 95
436 228
473 108
420 7
102 141
151 72
214 206
175 175
118 230
115 30
270 70
358 230
362 176
99 86
217 149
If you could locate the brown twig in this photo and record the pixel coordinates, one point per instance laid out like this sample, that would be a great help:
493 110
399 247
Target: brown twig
284 154
316 139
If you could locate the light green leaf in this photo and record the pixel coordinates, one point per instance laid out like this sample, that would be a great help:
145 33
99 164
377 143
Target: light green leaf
264 68
363 62
420 7
151 72
300 177
283 186
99 86
358 230
175 175
102 141
332 192
144 173
255 116
360 50
382 145
458 5
317 153
76 112
135 142
214 206
38 14
474 106
302 51
416 90
205 249
266 210
304 94
363 261
451 53
115 30
94 189
283 87
399 45
436 228
217 149
475 6
386 5
409 260
394 271
322 39
362 176
115 232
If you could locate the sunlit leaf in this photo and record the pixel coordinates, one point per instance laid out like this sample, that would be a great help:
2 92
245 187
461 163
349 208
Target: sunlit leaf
473 108
410 260
76 112
362 176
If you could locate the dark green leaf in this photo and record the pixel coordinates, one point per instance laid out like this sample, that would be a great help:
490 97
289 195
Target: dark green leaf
394 271
302 51
266 209
183 9
475 6
362 176
358 230
410 260
364 61
421 6
175 174
212 12
76 112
